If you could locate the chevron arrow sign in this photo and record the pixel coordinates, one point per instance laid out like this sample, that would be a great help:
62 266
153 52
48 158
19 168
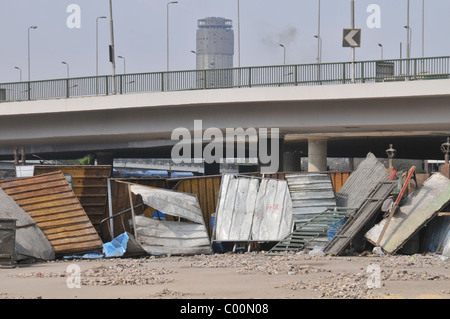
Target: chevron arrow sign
352 38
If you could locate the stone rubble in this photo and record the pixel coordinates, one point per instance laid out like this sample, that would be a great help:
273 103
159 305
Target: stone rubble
308 272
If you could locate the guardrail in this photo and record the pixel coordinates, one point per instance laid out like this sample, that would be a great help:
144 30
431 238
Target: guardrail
244 77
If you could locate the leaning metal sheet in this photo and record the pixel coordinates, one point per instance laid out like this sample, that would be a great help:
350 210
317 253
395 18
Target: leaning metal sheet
30 240
311 194
419 207
361 182
253 209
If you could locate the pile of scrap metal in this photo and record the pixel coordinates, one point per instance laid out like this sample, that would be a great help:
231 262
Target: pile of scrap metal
378 191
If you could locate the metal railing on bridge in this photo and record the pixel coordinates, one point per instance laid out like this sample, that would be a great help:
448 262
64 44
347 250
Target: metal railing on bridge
244 77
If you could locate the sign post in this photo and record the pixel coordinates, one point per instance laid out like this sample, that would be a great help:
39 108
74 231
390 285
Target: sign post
352 38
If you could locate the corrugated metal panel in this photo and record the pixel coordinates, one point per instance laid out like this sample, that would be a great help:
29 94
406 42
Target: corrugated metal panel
253 209
206 188
419 207
361 182
7 241
434 234
50 201
174 237
30 241
121 202
446 244
311 194
89 183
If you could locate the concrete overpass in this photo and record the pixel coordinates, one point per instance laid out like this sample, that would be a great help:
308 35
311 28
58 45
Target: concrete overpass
340 120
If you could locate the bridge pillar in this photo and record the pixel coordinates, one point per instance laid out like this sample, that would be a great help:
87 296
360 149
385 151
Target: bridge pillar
317 155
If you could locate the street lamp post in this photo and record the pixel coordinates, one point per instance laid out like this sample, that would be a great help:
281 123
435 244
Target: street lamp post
124 65
284 49
423 28
353 48
171 2
408 48
239 34
319 39
408 33
67 65
111 48
29 28
319 49
16 67
96 43
381 46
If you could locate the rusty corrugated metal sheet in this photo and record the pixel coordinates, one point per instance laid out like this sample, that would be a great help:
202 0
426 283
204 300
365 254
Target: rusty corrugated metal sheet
89 183
52 204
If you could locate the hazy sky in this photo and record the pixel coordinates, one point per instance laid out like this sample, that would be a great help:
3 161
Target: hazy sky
140 33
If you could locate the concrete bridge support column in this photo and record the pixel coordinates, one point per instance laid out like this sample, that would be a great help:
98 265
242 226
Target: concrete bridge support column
317 155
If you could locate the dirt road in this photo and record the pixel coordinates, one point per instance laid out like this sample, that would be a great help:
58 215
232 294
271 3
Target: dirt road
231 276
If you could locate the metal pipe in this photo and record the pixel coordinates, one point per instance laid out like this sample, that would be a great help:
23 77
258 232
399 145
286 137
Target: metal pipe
353 49
29 59
111 57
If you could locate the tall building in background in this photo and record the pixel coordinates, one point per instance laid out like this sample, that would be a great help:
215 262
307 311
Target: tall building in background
215 50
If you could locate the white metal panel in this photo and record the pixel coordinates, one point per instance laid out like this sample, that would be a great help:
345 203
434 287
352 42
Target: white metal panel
171 237
158 236
253 209
169 202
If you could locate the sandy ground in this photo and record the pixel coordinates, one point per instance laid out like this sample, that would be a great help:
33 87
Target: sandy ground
232 276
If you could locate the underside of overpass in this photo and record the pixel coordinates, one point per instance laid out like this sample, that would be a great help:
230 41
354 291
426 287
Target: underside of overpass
346 121
420 147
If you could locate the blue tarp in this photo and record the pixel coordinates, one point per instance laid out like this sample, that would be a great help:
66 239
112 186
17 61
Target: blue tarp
117 247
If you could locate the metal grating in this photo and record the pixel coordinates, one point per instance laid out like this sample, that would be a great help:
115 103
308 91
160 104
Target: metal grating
50 201
357 221
308 232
